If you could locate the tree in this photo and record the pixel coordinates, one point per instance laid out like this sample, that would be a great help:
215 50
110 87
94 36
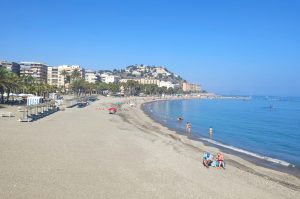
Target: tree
75 74
90 88
162 90
78 86
64 73
3 82
27 84
150 89
101 86
132 85
11 83
170 91
114 87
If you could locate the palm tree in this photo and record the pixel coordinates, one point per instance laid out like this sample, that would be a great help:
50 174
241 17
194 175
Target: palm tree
9 82
30 85
64 73
101 86
78 86
90 87
3 82
132 85
114 87
75 74
12 83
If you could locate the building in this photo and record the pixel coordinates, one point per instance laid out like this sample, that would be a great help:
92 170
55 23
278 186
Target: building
126 80
160 70
107 78
56 78
188 87
167 84
53 76
11 66
91 76
136 73
149 81
34 69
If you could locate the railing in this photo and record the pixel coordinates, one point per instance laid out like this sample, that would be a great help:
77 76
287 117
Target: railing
69 103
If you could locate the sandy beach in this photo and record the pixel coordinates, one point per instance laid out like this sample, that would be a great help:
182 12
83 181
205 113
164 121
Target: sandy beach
87 153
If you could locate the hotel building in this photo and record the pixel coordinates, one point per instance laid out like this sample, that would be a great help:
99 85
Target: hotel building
166 84
57 79
107 78
187 87
149 81
34 69
11 66
91 76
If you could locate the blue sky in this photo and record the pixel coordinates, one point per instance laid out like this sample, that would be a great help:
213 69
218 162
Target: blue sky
230 47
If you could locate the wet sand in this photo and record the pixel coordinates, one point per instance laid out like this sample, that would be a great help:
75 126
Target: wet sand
87 153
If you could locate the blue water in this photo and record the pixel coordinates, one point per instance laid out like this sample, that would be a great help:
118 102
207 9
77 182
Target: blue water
268 127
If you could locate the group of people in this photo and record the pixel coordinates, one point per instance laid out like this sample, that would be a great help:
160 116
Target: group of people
209 160
188 125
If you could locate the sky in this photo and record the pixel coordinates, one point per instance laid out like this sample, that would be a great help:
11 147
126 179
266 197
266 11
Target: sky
247 47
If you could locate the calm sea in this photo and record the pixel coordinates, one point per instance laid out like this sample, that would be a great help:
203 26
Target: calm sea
263 127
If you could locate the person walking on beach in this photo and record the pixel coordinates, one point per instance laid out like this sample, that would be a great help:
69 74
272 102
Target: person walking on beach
188 127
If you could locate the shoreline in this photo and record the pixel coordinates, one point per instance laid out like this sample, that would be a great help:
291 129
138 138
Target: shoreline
247 160
259 161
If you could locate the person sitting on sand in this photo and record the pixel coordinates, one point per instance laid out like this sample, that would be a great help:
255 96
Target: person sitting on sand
207 159
220 160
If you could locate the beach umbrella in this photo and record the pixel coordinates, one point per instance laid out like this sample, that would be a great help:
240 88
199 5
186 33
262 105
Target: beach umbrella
112 109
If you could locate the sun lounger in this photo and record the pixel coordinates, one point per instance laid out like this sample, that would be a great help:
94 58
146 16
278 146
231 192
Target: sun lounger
25 120
6 114
21 109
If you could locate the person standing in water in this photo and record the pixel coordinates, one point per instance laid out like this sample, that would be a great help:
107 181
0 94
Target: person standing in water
179 121
210 132
188 127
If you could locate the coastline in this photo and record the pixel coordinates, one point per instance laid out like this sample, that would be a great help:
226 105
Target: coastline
87 153
256 159
240 161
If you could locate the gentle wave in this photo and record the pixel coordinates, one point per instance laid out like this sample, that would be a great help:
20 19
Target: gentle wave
273 160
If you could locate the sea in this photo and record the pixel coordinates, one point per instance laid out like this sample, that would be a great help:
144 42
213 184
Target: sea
264 129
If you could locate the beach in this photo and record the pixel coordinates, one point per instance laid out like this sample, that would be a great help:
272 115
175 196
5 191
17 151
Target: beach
87 153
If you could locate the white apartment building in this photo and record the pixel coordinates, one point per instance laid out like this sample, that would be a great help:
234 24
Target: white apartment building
35 69
167 84
56 78
107 78
160 70
53 76
137 73
149 81
126 80
91 76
